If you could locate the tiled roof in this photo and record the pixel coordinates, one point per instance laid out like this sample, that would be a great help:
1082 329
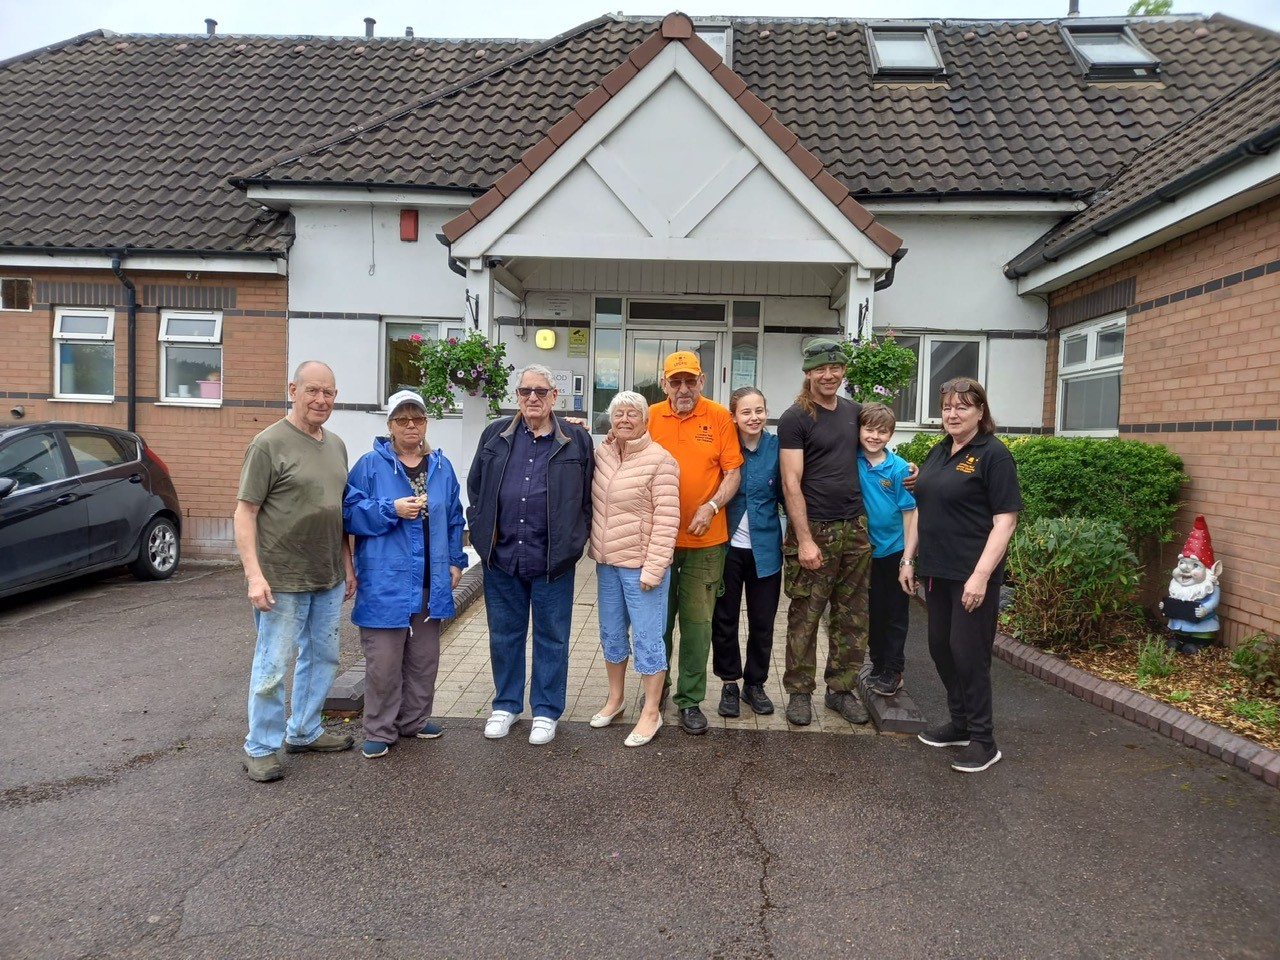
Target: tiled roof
1241 125
1014 115
676 28
112 140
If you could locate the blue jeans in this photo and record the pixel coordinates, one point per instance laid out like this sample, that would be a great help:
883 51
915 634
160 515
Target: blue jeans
308 622
508 601
621 603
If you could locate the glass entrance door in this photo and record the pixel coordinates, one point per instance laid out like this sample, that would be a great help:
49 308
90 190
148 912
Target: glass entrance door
648 349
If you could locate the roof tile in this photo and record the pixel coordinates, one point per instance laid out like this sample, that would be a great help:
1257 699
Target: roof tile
755 107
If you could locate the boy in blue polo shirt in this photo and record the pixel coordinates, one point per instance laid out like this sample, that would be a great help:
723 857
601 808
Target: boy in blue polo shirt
890 511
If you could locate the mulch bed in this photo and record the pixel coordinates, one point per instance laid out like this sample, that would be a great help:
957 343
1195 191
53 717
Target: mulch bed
1208 678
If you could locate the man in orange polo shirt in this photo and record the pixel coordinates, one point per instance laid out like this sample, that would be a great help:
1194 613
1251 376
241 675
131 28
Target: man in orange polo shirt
701 435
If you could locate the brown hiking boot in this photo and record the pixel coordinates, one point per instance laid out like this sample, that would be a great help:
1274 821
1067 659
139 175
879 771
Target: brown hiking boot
325 743
847 705
262 769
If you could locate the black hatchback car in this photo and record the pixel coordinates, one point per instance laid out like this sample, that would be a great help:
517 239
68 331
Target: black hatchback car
75 498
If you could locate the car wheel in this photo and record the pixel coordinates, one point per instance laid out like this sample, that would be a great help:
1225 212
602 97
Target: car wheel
158 551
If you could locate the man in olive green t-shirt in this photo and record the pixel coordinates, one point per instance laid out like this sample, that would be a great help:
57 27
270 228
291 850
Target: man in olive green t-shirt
288 526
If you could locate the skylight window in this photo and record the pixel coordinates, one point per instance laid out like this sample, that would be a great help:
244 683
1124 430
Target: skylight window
718 37
904 53
1111 52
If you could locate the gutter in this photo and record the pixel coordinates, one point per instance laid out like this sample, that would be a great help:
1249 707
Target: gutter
131 300
141 252
886 281
1241 153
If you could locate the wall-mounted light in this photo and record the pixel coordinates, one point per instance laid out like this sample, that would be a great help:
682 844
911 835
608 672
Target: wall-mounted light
545 339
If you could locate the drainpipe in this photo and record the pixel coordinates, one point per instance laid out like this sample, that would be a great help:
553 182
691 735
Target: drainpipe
131 300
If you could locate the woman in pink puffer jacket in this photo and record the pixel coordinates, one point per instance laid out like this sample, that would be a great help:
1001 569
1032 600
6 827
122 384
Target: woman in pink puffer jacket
635 499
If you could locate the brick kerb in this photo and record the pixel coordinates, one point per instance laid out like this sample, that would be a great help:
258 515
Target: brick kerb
1198 734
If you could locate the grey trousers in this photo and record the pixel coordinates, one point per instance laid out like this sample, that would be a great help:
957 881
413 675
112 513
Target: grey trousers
399 677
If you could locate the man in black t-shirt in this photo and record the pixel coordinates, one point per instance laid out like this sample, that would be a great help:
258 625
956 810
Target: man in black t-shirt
827 553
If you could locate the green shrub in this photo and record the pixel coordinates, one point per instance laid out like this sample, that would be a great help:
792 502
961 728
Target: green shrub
1130 482
1075 580
1257 659
918 447
1155 660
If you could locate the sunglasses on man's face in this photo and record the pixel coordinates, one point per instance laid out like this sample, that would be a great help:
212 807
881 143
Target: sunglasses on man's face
959 385
539 392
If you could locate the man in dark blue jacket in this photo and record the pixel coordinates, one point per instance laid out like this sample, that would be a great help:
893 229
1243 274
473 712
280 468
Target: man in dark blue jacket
529 490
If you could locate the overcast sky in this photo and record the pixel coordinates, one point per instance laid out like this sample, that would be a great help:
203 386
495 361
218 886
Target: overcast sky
28 24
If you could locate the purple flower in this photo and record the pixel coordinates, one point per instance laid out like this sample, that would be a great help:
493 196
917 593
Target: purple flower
880 390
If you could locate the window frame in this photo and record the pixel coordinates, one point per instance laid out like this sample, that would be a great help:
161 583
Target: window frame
164 340
1091 368
919 73
704 26
1113 70
61 337
447 324
924 368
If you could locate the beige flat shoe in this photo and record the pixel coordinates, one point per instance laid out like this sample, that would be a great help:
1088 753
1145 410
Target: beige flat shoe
604 719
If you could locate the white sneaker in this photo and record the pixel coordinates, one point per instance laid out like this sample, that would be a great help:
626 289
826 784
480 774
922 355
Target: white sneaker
544 731
499 724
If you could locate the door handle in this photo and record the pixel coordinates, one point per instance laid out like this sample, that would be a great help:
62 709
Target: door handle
135 478
66 498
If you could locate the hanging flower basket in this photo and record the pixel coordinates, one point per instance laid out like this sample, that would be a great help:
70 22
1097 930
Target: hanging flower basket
877 368
472 363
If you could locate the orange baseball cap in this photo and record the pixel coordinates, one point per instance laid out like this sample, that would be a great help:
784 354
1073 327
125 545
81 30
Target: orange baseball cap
682 361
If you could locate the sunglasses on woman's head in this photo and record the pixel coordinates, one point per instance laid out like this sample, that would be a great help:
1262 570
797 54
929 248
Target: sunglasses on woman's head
540 392
959 385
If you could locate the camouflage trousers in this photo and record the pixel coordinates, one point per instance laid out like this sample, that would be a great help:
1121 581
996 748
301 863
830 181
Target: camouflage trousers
840 581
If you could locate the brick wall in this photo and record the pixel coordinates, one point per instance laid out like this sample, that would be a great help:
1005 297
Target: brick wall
1202 376
202 446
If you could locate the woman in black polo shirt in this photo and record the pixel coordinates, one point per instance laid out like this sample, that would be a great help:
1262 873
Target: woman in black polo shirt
968 500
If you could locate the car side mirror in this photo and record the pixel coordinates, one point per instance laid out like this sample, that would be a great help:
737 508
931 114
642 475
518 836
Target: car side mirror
7 486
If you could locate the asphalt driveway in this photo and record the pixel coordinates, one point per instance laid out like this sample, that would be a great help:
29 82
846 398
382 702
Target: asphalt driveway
129 831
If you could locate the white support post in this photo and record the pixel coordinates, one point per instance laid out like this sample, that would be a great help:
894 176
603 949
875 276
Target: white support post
479 311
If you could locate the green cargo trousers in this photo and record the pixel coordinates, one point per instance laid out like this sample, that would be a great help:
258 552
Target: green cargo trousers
695 580
841 581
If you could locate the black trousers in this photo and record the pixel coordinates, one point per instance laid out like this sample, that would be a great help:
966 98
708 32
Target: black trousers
960 644
890 610
762 606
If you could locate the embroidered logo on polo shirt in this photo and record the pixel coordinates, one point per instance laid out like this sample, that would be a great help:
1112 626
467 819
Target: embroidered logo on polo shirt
968 464
886 483
704 434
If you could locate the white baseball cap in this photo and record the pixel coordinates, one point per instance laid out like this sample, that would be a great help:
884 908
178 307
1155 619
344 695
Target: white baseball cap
401 397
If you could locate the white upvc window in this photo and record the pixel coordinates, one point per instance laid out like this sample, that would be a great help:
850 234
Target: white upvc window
939 357
399 349
84 362
718 34
1090 364
191 357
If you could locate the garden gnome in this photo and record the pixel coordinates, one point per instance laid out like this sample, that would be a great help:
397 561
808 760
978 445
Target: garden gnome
1192 603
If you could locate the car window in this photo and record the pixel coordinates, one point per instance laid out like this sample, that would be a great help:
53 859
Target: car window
32 460
94 451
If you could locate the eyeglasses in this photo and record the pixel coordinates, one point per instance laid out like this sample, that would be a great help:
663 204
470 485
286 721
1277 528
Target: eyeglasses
408 421
959 385
682 383
539 392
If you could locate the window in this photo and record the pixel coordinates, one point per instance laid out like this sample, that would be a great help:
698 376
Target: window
1110 52
939 358
1090 361
718 36
191 357
15 294
32 461
96 451
400 349
904 53
84 365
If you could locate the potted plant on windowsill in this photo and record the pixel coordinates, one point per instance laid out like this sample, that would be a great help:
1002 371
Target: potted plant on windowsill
472 363
877 368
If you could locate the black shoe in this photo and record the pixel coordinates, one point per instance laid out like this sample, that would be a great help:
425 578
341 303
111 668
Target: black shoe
847 705
886 684
729 701
976 757
757 699
799 710
693 721
947 735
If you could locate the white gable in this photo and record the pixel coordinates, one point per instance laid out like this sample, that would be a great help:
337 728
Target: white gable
671 168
